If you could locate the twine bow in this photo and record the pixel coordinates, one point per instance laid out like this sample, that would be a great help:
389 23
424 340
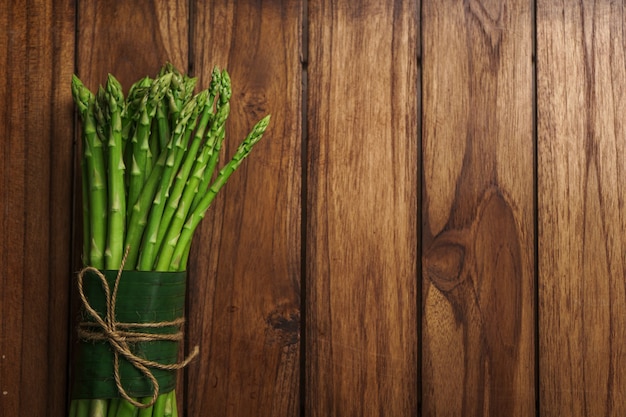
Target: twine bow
119 335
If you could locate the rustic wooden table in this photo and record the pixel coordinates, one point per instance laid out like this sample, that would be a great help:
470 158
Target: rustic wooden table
433 225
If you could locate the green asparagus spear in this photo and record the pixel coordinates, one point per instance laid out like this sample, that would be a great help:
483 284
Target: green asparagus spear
159 178
159 406
181 181
127 409
98 408
95 175
141 152
148 411
116 185
140 211
173 250
170 404
82 407
185 205
114 404
180 92
180 137
215 140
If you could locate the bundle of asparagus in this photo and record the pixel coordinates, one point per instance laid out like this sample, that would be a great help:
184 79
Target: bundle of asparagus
149 175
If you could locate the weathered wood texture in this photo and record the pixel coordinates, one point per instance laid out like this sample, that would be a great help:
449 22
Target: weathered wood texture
130 39
451 214
36 118
581 105
477 202
361 234
244 307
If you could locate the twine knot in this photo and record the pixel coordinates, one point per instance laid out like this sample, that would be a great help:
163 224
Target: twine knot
120 335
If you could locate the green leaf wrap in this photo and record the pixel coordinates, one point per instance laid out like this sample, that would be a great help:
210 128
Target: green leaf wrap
142 297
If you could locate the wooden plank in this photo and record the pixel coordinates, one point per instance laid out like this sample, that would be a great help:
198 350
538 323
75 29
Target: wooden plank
131 39
36 204
582 227
13 120
478 233
245 306
361 232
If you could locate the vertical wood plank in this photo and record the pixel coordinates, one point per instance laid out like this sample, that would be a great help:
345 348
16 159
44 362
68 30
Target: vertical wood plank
245 307
130 39
478 233
582 223
361 233
36 116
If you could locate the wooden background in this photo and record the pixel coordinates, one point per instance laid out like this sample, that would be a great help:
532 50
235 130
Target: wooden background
434 225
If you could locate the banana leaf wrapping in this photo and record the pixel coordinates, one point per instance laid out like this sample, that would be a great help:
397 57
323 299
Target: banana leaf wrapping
146 303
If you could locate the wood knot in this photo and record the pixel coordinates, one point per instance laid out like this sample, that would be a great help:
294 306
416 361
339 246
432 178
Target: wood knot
255 102
283 326
444 261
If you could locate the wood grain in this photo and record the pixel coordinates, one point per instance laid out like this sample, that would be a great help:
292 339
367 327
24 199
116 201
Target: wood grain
361 232
345 135
36 204
582 227
130 39
478 234
245 305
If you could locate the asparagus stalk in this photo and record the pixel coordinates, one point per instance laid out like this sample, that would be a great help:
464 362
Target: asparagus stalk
138 153
116 185
93 157
141 152
162 126
126 409
191 160
184 206
85 200
180 183
159 406
170 404
158 176
216 140
180 93
140 211
182 265
114 404
131 113
82 407
172 253
98 408
73 407
176 150
148 411
102 117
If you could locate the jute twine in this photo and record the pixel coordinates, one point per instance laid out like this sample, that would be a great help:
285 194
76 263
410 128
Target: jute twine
120 335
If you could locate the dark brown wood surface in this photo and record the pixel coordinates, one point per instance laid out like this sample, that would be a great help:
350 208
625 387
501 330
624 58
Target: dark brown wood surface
478 213
361 234
36 117
130 39
244 306
582 217
434 224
